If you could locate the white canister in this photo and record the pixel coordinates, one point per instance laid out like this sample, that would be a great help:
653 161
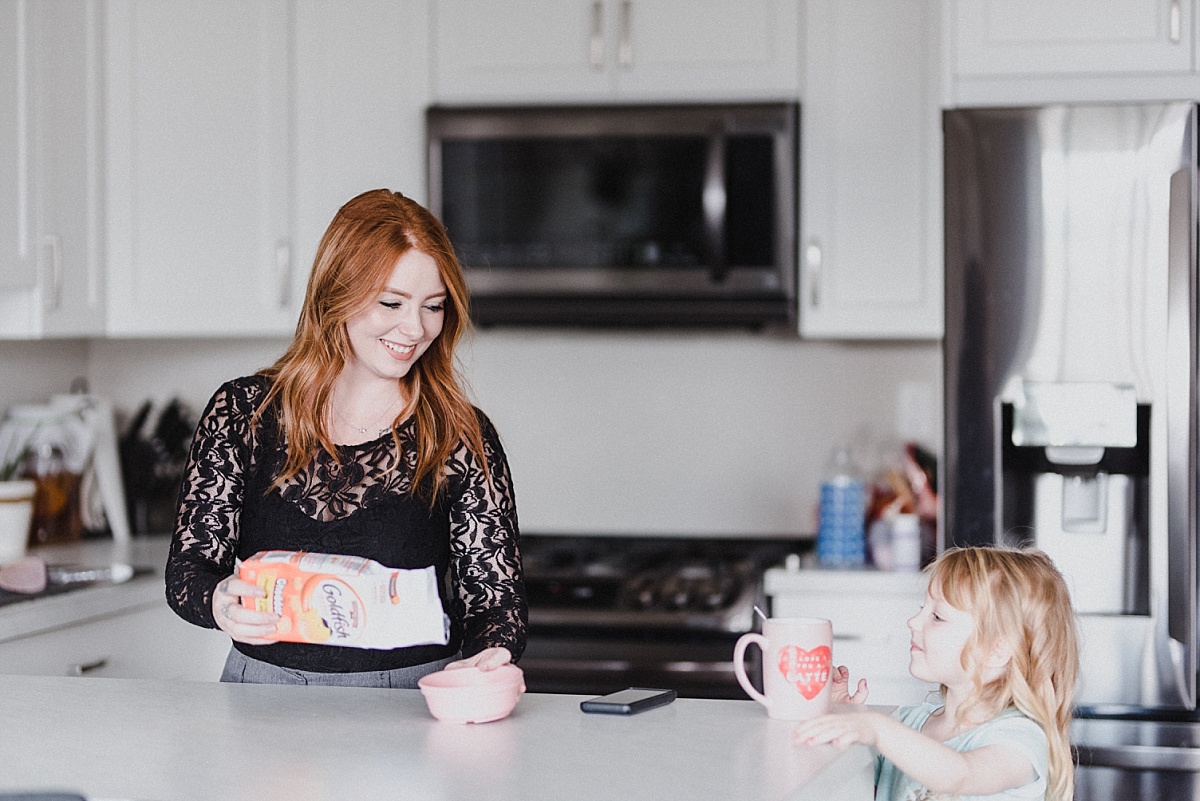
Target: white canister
16 513
906 543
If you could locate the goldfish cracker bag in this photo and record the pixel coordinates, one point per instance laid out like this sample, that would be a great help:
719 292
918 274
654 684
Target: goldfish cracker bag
329 599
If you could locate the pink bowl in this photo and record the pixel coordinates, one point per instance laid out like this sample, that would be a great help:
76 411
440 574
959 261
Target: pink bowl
471 695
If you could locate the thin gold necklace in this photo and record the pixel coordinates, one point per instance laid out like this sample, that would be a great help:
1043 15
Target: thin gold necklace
364 429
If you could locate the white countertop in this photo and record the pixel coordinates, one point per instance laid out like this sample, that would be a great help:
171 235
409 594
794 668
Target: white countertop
98 600
156 740
153 741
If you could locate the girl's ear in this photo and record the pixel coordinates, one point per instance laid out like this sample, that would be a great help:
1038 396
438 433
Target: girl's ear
997 659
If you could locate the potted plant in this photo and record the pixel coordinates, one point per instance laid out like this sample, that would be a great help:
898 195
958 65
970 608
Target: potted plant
16 503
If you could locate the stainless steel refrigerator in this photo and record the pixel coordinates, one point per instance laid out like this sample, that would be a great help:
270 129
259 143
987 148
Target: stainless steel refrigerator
1070 401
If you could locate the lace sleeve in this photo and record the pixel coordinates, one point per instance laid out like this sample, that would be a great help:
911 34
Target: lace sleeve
485 552
206 524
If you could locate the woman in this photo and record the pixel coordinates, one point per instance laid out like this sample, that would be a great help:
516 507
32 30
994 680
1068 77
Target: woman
359 441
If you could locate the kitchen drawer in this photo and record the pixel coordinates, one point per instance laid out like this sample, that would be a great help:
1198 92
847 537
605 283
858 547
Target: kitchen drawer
147 642
884 666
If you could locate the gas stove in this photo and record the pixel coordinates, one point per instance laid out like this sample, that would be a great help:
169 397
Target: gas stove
611 612
641 582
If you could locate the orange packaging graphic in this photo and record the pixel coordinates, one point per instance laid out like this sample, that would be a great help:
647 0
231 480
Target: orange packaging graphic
331 599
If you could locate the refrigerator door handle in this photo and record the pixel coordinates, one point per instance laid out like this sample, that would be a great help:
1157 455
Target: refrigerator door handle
1181 428
1139 757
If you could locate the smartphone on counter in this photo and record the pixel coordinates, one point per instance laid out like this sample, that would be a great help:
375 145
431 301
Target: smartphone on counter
629 701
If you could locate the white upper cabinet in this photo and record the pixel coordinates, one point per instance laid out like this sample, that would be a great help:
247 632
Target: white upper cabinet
51 265
491 51
362 85
16 227
199 107
870 200
1036 51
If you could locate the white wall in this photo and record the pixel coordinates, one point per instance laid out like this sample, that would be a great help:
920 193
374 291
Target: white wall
131 371
33 371
634 432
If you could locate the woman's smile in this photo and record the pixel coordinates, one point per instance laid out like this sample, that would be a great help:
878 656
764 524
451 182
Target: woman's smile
402 352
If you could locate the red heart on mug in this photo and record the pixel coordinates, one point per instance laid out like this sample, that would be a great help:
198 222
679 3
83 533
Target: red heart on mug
807 670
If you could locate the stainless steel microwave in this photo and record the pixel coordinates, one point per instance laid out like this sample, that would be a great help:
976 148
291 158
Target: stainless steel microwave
621 216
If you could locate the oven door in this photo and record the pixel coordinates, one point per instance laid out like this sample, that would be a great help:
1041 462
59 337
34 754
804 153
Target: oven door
598 661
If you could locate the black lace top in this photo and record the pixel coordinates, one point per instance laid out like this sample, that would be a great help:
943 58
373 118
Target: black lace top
357 507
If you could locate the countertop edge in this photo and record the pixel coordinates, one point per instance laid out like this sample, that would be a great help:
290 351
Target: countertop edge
41 614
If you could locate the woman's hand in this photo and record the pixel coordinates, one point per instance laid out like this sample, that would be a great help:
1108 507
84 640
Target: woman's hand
840 728
244 625
840 692
487 659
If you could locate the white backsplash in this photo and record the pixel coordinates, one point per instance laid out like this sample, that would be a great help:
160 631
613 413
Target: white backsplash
33 371
614 432
720 434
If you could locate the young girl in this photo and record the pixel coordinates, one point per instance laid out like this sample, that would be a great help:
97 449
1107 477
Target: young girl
997 632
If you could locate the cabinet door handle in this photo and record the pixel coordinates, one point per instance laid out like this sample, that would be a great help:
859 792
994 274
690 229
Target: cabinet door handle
625 49
812 260
1176 21
52 243
596 44
714 200
283 271
83 668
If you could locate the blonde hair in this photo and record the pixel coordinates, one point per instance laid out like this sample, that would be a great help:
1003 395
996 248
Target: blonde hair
357 254
1019 601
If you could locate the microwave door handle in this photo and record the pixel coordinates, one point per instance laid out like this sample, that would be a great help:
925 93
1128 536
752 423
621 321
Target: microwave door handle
596 42
713 202
625 49
1181 430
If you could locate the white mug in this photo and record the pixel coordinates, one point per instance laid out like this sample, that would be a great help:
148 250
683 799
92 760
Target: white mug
797 666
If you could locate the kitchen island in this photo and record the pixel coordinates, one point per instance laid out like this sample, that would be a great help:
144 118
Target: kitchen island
159 740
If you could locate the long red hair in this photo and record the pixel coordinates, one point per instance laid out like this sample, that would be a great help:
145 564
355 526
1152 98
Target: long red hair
366 238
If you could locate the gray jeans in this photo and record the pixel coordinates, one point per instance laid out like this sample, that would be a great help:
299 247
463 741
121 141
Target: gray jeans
240 668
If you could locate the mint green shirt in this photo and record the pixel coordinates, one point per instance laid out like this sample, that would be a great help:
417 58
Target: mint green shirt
1008 728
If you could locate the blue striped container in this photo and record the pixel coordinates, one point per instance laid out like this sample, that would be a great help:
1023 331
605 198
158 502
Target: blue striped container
841 538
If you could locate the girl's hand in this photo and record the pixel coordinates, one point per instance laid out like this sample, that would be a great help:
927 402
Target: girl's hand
844 728
487 659
244 625
841 685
